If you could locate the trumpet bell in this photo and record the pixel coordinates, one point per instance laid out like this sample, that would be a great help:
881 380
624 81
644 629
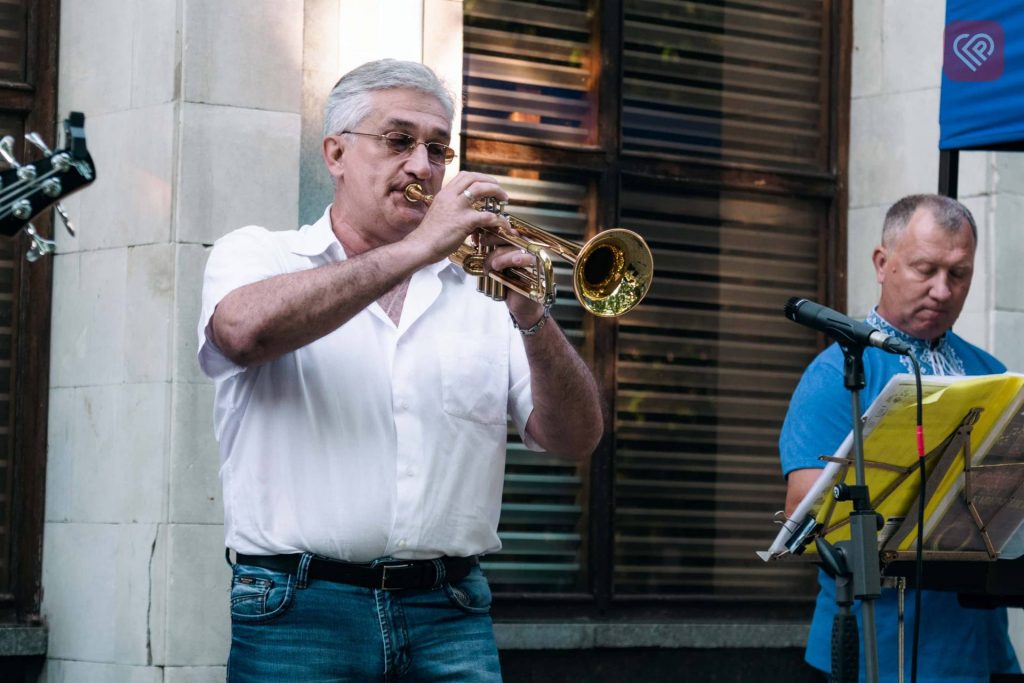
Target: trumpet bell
612 273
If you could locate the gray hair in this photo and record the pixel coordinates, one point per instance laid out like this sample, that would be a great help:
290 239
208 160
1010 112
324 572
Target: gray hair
947 212
349 101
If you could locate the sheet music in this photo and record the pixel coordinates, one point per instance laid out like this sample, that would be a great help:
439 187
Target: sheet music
892 441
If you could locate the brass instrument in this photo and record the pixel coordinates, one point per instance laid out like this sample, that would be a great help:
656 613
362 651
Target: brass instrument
611 272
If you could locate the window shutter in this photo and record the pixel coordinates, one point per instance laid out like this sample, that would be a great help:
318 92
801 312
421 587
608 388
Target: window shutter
734 81
723 104
7 317
13 29
28 93
529 71
11 268
706 366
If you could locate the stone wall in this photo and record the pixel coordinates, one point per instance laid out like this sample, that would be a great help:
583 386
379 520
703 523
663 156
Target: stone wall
193 119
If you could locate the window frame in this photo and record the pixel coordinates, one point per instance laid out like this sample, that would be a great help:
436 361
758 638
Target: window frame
608 165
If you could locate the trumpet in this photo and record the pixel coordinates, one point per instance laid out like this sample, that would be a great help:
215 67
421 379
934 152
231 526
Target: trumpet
611 273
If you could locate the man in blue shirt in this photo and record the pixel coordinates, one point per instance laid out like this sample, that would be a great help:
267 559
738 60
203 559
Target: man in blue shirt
924 265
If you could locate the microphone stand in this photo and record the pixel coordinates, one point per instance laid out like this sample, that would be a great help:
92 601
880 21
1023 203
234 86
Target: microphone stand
854 563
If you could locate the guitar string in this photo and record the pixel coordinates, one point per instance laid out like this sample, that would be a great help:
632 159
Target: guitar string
5 190
16 189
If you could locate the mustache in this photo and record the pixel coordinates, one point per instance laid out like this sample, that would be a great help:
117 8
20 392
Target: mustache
400 185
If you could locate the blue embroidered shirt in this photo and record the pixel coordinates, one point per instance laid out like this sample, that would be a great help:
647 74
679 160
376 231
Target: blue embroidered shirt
957 645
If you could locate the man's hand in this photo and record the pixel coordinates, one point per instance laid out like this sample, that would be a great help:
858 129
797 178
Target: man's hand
453 216
524 310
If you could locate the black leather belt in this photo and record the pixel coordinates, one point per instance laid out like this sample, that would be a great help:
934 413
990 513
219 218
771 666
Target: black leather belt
393 575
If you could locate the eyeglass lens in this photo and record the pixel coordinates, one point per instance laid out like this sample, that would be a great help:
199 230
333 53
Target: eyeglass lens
437 152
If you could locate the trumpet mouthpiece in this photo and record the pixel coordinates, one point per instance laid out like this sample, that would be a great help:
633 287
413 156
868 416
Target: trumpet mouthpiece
414 193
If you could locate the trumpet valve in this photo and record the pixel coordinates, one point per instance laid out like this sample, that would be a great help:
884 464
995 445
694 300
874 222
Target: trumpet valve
475 256
492 205
492 288
474 264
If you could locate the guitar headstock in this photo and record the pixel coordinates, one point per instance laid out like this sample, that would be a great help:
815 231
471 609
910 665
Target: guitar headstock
28 189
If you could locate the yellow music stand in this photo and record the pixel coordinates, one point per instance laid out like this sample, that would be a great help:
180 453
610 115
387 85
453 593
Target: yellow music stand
974 487
974 465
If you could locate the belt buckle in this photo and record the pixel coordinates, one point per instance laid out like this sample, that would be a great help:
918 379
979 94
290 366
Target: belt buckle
384 574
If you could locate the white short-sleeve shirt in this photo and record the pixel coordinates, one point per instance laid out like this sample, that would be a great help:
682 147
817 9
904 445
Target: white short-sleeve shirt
373 440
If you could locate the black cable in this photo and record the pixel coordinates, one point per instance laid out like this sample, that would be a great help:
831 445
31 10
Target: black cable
919 558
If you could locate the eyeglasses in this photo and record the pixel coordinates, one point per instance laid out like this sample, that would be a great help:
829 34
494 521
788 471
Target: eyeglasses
402 143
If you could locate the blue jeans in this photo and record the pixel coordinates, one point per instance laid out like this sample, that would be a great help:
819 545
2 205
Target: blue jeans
286 628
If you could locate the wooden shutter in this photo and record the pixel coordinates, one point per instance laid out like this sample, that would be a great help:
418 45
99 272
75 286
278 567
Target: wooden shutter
706 366
7 319
529 71
28 89
716 142
735 81
705 369
9 271
13 40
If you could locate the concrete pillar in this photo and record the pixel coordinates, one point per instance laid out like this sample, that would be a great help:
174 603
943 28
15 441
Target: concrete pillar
193 118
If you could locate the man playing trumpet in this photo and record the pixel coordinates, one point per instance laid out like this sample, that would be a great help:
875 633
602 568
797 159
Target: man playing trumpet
362 389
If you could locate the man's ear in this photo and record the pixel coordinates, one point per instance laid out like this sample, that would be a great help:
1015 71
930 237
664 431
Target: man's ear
880 257
333 150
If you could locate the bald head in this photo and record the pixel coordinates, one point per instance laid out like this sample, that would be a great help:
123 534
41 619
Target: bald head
948 214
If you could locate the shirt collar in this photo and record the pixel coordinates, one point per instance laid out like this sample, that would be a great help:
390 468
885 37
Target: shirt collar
876 320
314 240
936 358
446 266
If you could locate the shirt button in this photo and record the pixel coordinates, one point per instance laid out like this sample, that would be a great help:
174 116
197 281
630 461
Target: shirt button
401 543
410 473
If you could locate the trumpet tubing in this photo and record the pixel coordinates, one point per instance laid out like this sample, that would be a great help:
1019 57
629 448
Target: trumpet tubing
611 272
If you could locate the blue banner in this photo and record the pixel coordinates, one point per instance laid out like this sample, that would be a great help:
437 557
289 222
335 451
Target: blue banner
982 74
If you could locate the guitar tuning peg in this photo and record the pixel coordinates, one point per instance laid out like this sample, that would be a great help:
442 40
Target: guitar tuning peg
7 151
37 140
40 245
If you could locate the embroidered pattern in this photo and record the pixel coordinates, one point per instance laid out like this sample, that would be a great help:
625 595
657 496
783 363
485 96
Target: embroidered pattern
935 359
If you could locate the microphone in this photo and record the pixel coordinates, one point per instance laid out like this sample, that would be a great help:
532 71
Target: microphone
842 328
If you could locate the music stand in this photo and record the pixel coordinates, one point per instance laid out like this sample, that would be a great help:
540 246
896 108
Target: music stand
974 485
